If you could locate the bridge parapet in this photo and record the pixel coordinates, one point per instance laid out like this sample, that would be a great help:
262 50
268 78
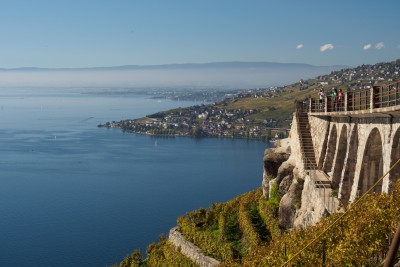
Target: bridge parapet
377 99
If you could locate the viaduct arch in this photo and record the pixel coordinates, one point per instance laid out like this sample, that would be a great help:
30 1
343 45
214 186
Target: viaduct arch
372 163
360 154
395 155
349 167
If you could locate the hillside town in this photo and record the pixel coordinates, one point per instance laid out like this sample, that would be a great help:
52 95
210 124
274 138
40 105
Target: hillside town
201 121
220 120
363 76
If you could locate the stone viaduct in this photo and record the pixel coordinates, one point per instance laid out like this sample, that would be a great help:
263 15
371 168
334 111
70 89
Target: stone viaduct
354 141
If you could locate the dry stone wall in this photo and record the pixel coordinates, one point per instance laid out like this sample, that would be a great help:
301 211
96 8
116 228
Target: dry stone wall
190 250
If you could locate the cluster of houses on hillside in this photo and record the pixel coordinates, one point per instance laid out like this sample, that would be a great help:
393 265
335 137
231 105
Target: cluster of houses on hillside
203 120
364 76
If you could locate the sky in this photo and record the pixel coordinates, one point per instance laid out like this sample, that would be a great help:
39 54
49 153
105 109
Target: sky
94 33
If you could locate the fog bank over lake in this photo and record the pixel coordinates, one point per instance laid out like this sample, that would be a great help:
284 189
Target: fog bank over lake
222 75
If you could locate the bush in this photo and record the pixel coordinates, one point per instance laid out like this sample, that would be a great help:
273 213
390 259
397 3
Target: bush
274 197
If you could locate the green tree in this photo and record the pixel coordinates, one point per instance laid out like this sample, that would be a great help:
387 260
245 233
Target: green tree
197 132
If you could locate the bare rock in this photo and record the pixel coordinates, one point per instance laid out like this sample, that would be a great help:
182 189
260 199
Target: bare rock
265 185
290 202
286 169
284 177
285 184
273 158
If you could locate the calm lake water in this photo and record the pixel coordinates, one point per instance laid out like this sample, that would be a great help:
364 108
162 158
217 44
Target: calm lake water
72 194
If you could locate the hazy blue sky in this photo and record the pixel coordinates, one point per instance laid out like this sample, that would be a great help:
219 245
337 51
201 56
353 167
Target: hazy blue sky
86 33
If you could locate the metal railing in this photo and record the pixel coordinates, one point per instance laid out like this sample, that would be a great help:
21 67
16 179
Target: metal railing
358 100
387 95
302 106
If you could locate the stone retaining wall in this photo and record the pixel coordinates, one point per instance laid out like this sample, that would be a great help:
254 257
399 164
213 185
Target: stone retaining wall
190 250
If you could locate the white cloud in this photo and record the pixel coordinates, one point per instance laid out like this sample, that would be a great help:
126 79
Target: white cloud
326 47
380 45
367 46
299 46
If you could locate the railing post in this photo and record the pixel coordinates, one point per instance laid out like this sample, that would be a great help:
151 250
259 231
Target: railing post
346 103
310 108
373 97
323 253
326 104
349 101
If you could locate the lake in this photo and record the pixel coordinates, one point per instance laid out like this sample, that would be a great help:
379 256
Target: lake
73 194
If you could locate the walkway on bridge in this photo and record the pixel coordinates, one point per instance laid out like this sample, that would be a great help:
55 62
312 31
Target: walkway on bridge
381 101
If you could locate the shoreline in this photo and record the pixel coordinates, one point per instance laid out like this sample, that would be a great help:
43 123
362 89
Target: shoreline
184 135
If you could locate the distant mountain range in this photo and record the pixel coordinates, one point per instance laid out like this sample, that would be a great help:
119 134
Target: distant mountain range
215 75
213 65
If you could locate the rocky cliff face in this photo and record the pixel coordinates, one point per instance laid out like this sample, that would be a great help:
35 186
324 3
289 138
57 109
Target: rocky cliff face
273 159
279 169
300 206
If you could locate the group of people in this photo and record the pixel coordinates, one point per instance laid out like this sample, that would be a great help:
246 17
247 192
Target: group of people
336 100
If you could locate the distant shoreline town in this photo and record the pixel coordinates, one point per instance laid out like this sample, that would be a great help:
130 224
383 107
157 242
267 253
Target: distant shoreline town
208 120
260 114
203 121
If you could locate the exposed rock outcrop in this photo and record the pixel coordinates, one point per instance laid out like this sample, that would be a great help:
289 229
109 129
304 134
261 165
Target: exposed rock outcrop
284 177
290 203
273 159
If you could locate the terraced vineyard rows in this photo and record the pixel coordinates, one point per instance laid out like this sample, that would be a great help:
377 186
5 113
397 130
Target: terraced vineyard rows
244 232
232 230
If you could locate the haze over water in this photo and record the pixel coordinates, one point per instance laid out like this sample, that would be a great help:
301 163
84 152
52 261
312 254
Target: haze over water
73 194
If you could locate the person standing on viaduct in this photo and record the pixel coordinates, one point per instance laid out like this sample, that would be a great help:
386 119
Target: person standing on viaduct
334 99
321 99
340 100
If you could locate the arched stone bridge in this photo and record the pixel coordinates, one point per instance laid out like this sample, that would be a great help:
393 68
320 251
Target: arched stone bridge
354 141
